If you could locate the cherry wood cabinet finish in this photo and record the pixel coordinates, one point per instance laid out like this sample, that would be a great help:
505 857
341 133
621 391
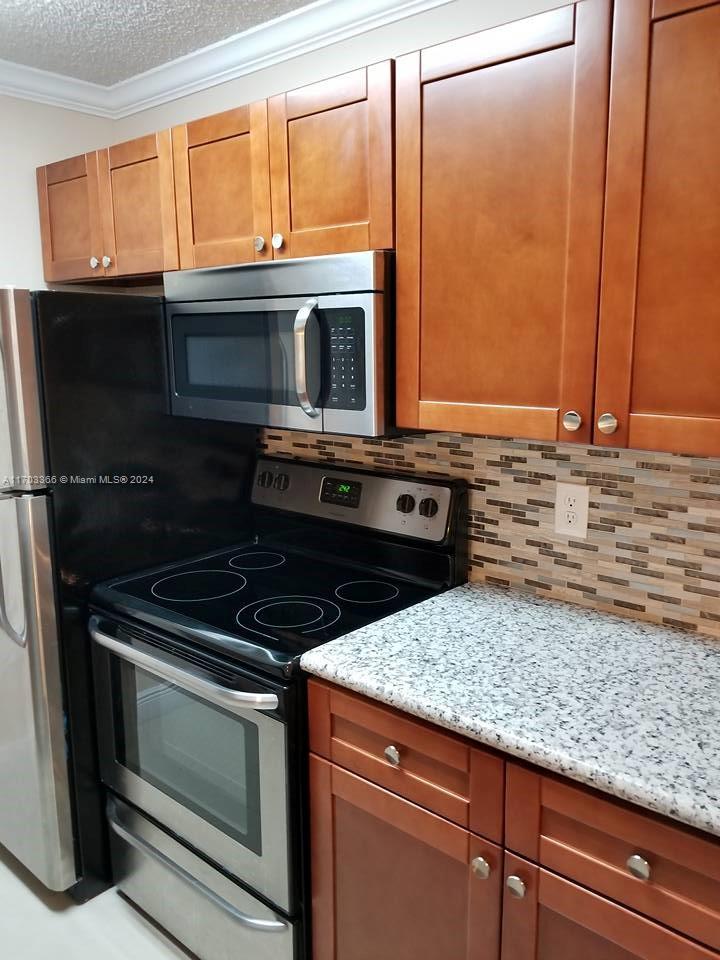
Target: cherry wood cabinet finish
501 142
222 183
137 206
331 164
659 343
557 920
438 771
70 225
588 838
392 881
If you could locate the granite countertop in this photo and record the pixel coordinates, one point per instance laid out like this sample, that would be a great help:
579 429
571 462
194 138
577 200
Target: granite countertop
630 708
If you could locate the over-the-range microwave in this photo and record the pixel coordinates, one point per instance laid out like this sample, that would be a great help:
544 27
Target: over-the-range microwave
303 344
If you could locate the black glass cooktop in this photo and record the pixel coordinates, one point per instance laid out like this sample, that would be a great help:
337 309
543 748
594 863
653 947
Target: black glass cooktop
265 605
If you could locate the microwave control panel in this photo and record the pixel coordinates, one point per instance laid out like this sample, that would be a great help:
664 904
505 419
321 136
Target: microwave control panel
346 333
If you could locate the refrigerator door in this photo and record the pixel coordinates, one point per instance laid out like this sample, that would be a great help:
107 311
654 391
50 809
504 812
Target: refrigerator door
22 460
35 814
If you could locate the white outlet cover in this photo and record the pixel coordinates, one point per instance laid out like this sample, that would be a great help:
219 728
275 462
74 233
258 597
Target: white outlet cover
572 502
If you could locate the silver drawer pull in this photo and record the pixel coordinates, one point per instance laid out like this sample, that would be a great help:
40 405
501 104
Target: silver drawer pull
392 755
516 886
480 868
254 923
638 867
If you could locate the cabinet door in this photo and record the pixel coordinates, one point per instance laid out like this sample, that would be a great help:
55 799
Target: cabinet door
222 184
501 141
392 881
331 164
659 347
137 204
547 918
70 226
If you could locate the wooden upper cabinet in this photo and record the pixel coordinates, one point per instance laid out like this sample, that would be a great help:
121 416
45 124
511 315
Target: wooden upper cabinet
545 917
222 185
137 206
659 347
69 218
392 881
501 140
109 213
331 164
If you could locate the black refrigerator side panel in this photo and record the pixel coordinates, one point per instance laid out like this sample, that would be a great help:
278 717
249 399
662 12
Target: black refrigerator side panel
132 487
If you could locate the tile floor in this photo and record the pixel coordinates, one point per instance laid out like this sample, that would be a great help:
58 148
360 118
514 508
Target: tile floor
38 925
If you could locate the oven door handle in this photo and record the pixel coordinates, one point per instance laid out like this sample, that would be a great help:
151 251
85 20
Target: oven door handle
186 678
300 337
142 846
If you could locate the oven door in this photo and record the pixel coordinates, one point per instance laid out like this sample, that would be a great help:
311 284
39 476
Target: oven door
202 752
309 364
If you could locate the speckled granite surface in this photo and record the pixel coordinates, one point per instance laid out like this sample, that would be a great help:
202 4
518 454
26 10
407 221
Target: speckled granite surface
627 707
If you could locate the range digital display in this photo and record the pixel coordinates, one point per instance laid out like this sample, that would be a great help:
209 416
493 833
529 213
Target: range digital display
344 493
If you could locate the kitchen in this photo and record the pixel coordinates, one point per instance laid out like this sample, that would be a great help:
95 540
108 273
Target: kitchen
359 480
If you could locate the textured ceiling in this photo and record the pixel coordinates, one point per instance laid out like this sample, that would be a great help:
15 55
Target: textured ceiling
107 42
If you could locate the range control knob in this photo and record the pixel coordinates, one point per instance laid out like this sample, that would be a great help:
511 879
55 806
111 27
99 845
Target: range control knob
265 478
282 481
428 507
405 503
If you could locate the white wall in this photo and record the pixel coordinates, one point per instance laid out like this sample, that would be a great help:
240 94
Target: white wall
455 19
32 135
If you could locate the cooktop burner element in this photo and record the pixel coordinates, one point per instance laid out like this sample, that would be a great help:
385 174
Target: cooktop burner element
300 613
198 585
257 560
367 591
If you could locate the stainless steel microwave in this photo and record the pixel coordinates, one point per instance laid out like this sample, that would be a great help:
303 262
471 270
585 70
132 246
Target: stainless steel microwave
303 344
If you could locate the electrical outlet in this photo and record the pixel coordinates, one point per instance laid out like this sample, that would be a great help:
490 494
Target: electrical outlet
572 502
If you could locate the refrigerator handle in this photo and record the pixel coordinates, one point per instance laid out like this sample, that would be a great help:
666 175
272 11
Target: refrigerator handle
19 638
5 625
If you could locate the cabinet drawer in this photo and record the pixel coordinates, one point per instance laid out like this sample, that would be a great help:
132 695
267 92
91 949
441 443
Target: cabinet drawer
599 842
436 770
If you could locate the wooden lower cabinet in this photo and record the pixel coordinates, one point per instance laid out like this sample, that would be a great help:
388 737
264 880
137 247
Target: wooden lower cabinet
548 918
392 881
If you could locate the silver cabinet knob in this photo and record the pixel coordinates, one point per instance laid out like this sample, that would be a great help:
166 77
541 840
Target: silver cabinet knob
277 241
94 263
480 868
572 421
516 886
392 755
106 261
259 244
638 867
607 423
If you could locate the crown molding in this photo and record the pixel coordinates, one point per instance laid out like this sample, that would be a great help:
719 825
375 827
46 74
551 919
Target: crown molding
302 31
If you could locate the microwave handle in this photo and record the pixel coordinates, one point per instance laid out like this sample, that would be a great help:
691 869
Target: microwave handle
299 334
186 678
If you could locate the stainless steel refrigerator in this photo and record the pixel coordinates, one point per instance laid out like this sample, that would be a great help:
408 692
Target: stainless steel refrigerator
35 808
85 407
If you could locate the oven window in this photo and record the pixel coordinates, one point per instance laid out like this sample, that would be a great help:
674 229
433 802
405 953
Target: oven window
243 357
195 752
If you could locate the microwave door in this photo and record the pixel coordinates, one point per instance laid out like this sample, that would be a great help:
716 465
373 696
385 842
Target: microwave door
238 360
22 461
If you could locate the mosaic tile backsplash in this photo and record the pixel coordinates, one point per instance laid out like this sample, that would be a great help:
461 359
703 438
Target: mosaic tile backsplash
653 545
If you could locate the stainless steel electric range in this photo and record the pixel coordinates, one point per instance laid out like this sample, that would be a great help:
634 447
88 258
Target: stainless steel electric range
201 704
